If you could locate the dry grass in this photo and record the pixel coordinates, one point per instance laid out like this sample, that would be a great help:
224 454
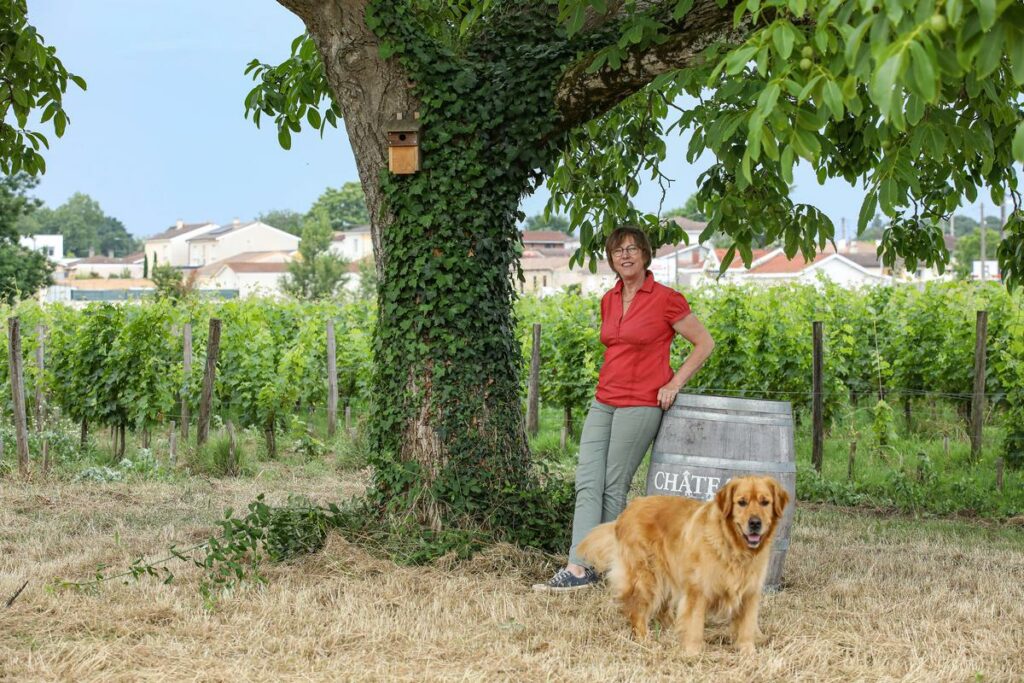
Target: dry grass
868 599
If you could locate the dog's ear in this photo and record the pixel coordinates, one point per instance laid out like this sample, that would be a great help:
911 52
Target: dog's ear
723 499
780 498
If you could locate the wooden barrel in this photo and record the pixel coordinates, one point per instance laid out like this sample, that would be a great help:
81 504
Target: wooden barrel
706 440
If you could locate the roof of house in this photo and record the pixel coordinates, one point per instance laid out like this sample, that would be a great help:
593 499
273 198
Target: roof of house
544 236
178 230
687 224
339 235
111 260
737 260
217 233
777 263
265 267
278 257
105 283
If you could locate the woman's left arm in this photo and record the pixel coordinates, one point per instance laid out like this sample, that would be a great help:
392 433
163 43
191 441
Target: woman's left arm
693 331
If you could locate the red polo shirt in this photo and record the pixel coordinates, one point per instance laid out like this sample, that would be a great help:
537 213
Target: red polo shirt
636 360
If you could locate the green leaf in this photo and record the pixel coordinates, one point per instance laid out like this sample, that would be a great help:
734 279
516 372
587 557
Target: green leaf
60 122
1018 143
769 96
867 211
853 41
783 37
1015 49
786 164
986 13
284 137
990 52
834 99
79 81
883 83
681 9
923 74
313 116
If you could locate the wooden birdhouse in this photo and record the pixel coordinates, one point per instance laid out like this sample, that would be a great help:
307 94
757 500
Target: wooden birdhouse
404 145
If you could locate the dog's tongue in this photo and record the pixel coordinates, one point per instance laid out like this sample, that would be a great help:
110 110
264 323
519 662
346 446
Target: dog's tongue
753 538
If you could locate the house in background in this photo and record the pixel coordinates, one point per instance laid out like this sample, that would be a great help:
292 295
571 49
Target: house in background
354 244
50 246
131 267
170 247
254 273
834 266
237 238
546 243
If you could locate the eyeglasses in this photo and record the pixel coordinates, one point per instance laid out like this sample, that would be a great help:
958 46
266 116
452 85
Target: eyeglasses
631 250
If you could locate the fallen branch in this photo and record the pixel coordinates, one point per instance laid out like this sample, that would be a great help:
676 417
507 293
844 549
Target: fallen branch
16 594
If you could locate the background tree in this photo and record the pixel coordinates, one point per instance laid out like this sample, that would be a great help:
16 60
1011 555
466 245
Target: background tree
965 225
283 219
554 222
968 250
318 273
171 283
22 271
345 207
367 290
84 226
688 210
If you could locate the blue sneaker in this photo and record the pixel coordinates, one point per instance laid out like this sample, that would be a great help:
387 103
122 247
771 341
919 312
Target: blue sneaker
564 581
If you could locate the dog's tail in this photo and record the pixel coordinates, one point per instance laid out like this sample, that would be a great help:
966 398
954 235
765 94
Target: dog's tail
600 547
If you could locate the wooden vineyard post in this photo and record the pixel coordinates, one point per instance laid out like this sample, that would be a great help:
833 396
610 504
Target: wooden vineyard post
187 366
41 396
978 397
18 393
533 392
332 381
171 437
818 443
853 457
212 349
232 467
40 406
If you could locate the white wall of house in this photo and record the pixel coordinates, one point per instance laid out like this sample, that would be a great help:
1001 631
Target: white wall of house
255 236
174 250
51 246
355 245
247 284
109 270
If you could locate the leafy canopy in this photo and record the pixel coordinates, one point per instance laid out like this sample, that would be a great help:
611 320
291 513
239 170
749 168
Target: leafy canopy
22 271
917 100
35 81
345 207
318 273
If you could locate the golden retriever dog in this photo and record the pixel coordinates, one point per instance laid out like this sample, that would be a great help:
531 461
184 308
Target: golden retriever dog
668 554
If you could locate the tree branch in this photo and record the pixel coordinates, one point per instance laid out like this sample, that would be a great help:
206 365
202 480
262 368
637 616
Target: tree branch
580 96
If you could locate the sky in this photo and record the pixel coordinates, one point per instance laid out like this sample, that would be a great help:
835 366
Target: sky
160 134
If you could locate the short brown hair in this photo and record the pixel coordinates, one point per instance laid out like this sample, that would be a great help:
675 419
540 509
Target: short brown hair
619 236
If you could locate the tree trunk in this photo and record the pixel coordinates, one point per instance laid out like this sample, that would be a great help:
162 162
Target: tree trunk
85 432
270 436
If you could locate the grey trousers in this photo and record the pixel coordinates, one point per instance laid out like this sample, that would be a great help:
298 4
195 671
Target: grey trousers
612 445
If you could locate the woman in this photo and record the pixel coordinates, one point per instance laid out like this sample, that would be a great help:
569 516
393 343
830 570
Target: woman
639 319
